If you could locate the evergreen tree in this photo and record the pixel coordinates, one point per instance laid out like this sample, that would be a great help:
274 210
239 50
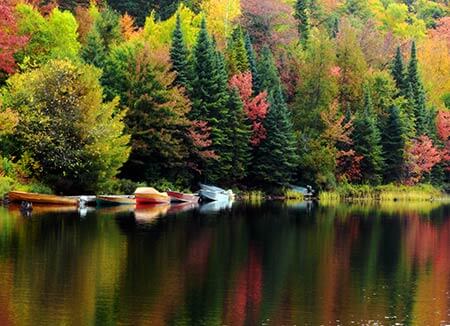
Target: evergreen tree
270 80
393 146
237 54
252 63
239 135
94 52
209 97
301 14
398 73
179 56
276 158
367 142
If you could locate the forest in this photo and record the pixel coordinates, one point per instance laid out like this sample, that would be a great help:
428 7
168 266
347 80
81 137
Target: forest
101 96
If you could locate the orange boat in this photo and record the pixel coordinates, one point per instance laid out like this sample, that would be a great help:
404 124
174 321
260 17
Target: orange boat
149 196
21 196
150 213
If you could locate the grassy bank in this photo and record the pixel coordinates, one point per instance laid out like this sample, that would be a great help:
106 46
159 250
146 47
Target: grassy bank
391 192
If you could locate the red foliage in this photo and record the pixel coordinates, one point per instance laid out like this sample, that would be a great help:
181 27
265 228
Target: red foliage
443 125
348 165
442 31
200 133
10 41
255 107
422 156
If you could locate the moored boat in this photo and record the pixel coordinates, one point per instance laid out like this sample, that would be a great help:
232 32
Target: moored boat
114 200
182 197
34 198
149 196
213 193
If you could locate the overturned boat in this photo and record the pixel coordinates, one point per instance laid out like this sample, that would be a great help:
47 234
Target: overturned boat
213 193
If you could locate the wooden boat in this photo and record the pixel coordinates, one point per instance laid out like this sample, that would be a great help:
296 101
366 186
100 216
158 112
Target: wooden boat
148 196
182 197
115 200
21 196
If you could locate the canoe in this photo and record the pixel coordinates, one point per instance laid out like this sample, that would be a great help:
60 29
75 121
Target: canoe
21 196
115 200
149 196
182 197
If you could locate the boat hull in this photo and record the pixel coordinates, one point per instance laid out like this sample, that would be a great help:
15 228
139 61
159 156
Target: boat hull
214 195
20 196
182 198
115 200
152 199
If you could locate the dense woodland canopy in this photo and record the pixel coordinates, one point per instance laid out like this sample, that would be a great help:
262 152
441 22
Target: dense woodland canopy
97 96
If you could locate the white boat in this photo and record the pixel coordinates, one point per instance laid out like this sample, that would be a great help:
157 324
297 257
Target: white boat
212 193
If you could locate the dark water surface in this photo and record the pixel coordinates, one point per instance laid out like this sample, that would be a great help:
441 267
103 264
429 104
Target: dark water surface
266 264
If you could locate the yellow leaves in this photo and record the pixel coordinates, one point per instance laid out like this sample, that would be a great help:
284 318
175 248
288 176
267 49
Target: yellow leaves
221 15
159 33
434 58
396 17
8 121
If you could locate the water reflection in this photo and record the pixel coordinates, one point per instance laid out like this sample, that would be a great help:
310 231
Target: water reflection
276 263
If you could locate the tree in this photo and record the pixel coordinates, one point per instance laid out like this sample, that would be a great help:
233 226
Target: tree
421 157
50 37
252 63
367 142
276 158
94 51
393 146
416 94
179 56
74 140
398 72
209 97
237 57
157 112
127 27
239 150
255 107
10 41
352 64
301 14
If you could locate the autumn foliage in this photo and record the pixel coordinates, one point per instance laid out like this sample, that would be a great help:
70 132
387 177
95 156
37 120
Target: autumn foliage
422 156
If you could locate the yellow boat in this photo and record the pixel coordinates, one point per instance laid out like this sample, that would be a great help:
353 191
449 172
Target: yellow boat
21 196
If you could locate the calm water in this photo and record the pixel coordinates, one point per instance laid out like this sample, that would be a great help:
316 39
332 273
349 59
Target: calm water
269 264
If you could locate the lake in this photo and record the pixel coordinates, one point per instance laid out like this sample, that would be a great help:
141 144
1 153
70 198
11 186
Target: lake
243 264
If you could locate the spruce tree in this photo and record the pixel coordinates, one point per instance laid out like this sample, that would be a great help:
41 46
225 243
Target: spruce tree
301 14
276 158
237 53
252 63
398 73
209 97
417 94
94 52
270 80
239 135
179 56
393 146
367 142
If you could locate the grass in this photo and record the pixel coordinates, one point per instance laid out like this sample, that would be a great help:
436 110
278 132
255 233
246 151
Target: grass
391 192
293 195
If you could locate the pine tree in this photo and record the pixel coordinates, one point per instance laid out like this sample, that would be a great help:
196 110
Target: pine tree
270 80
252 63
239 135
393 146
301 14
417 94
237 53
398 73
179 56
367 142
276 158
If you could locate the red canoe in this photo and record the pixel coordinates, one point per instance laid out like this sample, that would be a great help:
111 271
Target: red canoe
181 197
